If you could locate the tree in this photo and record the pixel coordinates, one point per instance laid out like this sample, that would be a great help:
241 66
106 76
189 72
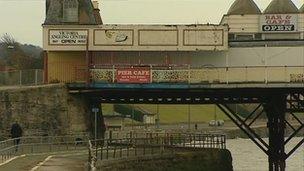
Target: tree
19 56
8 40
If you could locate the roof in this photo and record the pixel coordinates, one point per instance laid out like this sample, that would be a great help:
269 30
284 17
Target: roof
301 10
97 16
54 12
240 7
281 7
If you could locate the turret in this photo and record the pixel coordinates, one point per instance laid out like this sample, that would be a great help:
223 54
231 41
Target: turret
301 10
241 7
69 12
281 7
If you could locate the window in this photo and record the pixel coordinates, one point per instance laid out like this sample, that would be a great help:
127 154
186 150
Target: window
258 36
231 36
244 37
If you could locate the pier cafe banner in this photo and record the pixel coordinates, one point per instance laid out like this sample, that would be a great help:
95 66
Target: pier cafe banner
279 23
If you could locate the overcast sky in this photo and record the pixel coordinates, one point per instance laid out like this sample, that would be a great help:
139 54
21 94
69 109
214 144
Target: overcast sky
23 18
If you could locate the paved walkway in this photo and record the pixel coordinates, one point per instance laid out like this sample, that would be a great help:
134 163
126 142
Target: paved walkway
75 162
48 162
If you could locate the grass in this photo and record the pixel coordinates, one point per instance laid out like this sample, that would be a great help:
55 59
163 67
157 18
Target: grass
170 114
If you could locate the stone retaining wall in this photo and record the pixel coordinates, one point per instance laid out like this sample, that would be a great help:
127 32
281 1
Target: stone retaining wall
47 109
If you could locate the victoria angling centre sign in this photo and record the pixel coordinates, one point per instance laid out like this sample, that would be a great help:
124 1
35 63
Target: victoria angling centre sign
68 37
279 23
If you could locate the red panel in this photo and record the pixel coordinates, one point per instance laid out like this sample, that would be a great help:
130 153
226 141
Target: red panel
133 75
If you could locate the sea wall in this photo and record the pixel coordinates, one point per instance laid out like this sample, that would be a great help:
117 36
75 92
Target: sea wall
183 160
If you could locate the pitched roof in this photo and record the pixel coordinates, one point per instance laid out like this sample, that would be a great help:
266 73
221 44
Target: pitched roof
97 16
281 7
301 10
97 12
54 14
240 7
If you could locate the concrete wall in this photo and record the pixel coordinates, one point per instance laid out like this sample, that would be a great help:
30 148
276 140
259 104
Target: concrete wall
242 23
43 110
235 57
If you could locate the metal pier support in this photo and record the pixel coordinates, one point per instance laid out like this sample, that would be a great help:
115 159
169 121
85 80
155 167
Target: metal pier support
275 106
275 109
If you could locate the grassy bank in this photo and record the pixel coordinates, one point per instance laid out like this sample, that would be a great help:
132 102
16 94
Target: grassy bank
170 114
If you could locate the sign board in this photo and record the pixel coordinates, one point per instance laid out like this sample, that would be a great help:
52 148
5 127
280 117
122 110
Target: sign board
113 37
95 110
68 37
133 75
279 23
135 38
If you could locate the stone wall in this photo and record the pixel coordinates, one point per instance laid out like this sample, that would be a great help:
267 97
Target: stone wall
184 160
47 109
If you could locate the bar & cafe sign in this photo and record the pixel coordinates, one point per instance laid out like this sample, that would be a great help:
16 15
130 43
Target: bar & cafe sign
279 23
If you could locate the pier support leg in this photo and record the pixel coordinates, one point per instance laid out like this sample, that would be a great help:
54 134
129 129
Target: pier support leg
275 109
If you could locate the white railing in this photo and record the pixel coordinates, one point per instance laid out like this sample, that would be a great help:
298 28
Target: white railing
208 75
21 77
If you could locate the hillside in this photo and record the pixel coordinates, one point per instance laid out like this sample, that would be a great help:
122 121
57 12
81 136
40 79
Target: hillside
178 113
19 56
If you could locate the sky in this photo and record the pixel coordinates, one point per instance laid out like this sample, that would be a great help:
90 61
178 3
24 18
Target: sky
23 18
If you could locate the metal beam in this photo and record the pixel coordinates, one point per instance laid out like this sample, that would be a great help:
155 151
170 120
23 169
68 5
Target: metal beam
294 116
290 125
295 148
294 134
243 129
253 112
247 127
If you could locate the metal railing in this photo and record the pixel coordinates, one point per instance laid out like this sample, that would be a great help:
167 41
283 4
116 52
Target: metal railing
205 75
21 77
43 144
150 144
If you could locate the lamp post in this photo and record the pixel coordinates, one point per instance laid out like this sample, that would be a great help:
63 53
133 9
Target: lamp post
95 111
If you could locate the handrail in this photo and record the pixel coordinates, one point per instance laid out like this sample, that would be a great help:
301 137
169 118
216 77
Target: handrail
21 77
41 144
151 144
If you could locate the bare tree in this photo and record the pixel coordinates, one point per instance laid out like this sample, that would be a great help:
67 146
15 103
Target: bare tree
8 40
